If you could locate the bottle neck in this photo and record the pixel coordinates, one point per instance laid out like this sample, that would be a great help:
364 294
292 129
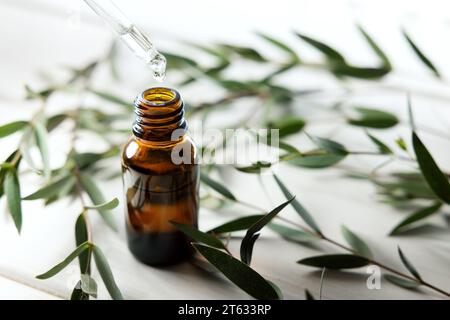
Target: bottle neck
159 116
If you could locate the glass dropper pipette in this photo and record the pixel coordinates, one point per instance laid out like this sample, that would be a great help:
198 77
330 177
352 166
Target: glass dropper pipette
131 36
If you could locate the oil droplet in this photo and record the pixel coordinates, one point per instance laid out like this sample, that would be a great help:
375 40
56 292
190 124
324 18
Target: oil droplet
158 66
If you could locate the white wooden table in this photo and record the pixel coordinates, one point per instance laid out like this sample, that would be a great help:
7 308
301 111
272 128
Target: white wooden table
41 36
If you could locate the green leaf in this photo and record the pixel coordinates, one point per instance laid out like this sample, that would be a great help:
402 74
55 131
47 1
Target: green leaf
376 48
401 144
421 55
52 188
435 178
288 125
331 54
282 46
106 274
53 271
257 167
373 118
239 273
244 52
402 282
356 243
220 188
88 285
112 98
175 61
11 128
382 147
293 235
97 198
329 145
41 140
251 236
105 206
308 295
302 212
317 161
199 236
11 188
81 236
54 121
359 72
335 261
414 217
237 225
408 265
4 169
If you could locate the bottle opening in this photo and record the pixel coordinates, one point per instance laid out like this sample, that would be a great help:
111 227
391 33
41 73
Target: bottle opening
160 97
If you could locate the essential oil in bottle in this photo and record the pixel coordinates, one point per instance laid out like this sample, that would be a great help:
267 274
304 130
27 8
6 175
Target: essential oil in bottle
161 179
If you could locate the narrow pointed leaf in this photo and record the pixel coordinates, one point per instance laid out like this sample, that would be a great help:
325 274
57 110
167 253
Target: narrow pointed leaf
81 236
382 147
421 55
435 178
42 142
335 261
318 161
239 273
11 188
375 47
237 225
402 282
249 239
293 235
105 206
288 125
359 72
51 189
282 46
329 145
372 118
408 264
302 212
332 54
112 98
11 128
106 274
356 243
414 217
60 266
97 198
199 236
220 188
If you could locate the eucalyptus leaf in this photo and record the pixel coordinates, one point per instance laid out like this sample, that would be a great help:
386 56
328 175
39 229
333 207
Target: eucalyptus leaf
382 147
105 206
8 165
239 273
97 198
332 54
359 72
12 127
220 188
244 52
376 48
52 188
401 144
81 236
317 161
178 62
373 118
54 121
408 265
11 188
257 167
106 274
112 98
414 217
41 134
421 55
294 58
302 212
287 125
356 243
238 224
199 236
329 145
335 261
249 239
88 285
402 282
293 235
60 266
435 178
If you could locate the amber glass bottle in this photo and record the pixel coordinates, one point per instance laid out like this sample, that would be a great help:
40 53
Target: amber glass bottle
161 179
